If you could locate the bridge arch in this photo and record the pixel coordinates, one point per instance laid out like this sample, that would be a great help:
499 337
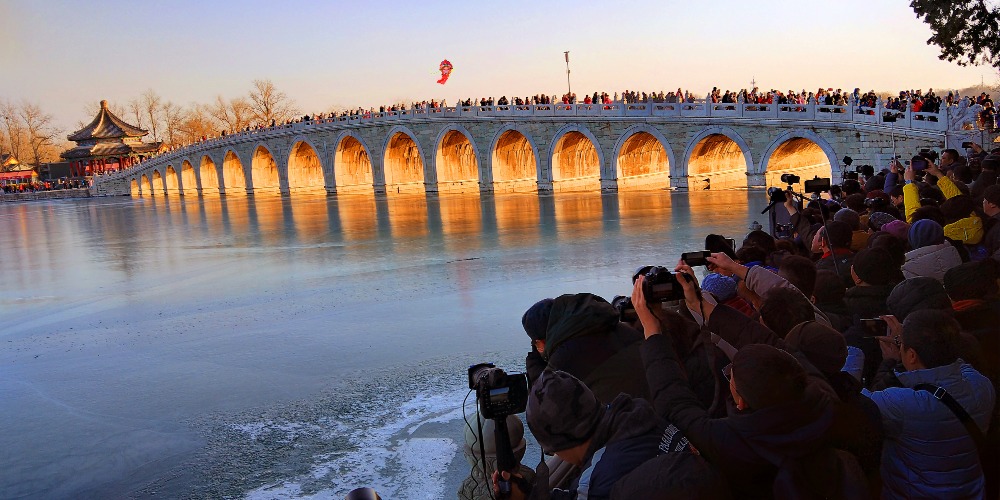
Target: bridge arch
403 162
263 170
208 175
456 160
171 181
305 166
643 158
234 175
188 177
718 158
352 165
798 151
147 183
157 180
134 189
577 161
515 164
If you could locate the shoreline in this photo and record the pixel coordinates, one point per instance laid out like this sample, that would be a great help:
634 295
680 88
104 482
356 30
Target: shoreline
58 194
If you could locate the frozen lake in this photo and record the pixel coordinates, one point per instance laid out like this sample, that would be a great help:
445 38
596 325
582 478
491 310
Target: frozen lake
290 347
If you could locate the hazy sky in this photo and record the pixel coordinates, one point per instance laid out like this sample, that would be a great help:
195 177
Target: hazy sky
64 55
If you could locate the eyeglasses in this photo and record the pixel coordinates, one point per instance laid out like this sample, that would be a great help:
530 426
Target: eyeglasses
727 372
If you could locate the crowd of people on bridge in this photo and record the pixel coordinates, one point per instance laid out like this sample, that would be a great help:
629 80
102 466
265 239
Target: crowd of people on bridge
917 101
854 353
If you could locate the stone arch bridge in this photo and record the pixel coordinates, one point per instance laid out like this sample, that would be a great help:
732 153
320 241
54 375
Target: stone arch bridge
545 148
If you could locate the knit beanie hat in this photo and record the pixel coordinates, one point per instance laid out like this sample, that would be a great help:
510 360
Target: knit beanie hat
823 346
971 280
536 319
925 232
916 294
562 412
848 216
766 376
722 287
879 219
897 228
875 266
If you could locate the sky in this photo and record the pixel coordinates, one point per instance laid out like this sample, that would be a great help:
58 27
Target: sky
67 55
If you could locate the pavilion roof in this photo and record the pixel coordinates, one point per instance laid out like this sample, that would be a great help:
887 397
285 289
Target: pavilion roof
106 126
111 149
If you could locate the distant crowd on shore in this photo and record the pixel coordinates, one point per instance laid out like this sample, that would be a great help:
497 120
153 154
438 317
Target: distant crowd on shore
32 187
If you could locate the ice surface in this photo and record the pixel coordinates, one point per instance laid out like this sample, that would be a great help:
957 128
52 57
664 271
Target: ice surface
289 347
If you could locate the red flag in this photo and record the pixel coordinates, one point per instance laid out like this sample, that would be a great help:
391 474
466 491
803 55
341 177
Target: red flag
445 69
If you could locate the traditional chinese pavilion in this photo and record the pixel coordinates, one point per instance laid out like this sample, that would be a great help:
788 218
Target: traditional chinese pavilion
107 144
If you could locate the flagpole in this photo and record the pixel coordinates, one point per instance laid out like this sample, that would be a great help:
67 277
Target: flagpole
569 88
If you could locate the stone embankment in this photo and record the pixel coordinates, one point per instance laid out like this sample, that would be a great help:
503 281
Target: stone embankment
46 195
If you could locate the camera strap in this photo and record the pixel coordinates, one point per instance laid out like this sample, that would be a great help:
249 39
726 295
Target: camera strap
723 345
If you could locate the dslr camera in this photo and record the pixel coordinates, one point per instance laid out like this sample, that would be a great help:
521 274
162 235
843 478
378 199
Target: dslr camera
929 154
661 284
865 170
626 311
790 179
499 394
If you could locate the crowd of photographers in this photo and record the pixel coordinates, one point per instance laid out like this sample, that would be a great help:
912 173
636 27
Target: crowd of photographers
855 355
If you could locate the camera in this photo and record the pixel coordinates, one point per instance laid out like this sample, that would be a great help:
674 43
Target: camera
790 179
967 145
929 154
499 394
776 195
865 170
874 327
918 164
817 185
626 311
661 284
695 259
850 176
876 203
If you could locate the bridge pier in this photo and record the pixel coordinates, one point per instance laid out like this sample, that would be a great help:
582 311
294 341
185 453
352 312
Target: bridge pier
609 185
756 181
679 182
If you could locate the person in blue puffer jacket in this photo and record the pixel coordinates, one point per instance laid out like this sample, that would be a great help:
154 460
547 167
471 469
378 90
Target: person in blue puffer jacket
928 452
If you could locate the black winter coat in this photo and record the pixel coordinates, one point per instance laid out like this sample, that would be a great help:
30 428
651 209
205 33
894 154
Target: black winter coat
744 447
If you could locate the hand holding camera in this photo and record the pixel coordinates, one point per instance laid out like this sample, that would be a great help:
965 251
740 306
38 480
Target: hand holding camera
727 266
650 325
691 296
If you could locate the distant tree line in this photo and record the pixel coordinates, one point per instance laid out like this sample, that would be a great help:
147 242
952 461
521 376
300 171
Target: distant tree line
177 124
27 133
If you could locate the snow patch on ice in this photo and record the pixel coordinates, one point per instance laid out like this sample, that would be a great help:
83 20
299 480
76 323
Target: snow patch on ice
385 456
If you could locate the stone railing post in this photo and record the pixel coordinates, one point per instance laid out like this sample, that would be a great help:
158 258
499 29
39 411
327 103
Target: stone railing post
740 103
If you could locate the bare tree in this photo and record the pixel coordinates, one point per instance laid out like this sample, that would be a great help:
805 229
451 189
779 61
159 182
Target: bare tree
196 123
270 104
10 114
173 116
233 115
151 107
136 108
41 132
